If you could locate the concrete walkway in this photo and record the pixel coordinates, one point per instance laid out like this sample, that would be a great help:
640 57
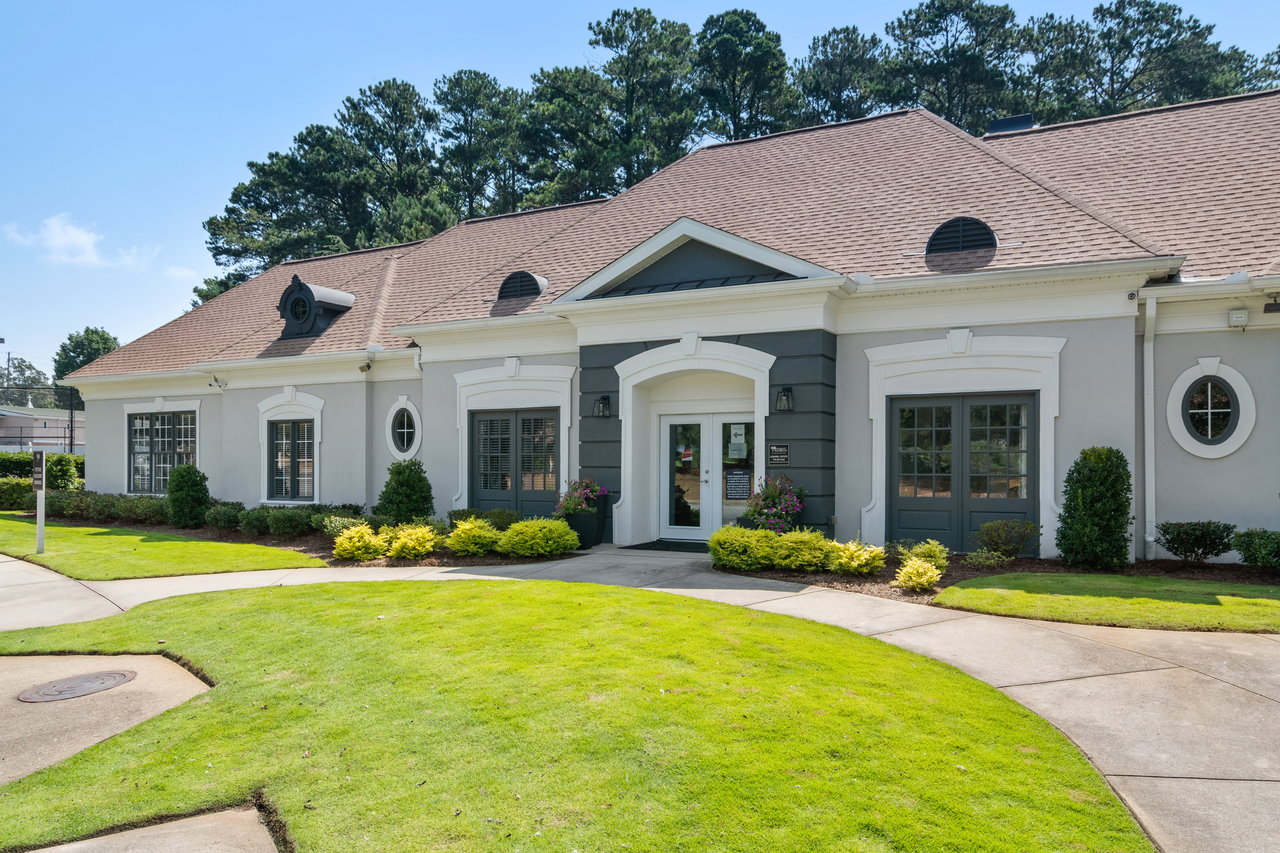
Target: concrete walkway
1183 725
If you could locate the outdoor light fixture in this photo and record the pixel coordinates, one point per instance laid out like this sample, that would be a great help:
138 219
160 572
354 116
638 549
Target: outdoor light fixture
786 401
366 367
1272 307
601 408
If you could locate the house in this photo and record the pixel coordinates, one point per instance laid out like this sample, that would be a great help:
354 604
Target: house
27 428
921 328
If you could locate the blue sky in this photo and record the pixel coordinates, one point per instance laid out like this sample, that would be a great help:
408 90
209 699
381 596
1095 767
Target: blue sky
127 124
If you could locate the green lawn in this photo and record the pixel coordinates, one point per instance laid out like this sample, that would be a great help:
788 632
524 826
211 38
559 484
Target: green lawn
111 553
1128 602
544 716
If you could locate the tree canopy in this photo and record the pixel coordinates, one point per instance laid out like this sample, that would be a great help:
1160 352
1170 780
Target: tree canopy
395 166
80 348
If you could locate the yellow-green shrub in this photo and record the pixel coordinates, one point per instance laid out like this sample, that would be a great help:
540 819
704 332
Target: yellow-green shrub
854 558
745 550
538 537
473 538
916 575
803 550
412 542
931 551
359 543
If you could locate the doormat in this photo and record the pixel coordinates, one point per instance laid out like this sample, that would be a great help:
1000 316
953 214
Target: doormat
670 545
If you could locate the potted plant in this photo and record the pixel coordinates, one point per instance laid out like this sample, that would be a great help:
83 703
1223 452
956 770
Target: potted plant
776 505
582 506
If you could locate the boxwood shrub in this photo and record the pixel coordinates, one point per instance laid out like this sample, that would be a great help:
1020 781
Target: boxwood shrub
188 496
14 491
224 517
538 537
803 550
1093 529
1195 541
407 494
289 521
256 521
1258 547
744 550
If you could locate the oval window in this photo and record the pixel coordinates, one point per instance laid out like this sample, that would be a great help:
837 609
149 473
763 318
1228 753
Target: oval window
403 430
299 308
1210 410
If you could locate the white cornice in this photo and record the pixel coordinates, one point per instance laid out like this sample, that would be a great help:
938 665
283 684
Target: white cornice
1146 268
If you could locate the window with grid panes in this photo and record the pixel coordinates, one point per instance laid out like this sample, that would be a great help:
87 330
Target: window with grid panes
998 450
924 452
1210 410
538 454
292 475
157 442
493 453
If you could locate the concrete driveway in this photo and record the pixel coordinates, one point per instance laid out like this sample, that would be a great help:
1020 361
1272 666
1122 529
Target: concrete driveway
1183 725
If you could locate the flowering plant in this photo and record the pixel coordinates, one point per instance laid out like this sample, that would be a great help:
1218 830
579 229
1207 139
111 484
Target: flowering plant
775 504
581 496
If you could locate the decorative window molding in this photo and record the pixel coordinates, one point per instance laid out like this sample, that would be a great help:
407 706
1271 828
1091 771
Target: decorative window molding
290 405
1244 419
636 514
513 386
961 363
403 403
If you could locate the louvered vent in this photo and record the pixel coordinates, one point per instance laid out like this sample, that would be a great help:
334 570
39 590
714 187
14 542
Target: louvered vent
521 284
960 235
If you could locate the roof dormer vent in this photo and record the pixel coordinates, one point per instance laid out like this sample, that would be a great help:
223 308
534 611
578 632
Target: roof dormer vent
521 284
961 235
308 309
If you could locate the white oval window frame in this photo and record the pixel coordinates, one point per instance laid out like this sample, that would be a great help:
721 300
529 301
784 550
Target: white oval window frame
403 402
1244 397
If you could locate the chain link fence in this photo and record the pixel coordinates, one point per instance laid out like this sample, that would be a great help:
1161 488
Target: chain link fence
48 418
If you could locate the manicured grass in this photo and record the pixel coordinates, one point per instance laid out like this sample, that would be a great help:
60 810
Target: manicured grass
1129 602
540 716
111 553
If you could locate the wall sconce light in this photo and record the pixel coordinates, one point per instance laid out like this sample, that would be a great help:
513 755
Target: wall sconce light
601 408
786 401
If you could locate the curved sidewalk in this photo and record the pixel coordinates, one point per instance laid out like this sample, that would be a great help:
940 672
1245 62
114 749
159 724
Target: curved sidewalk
1183 725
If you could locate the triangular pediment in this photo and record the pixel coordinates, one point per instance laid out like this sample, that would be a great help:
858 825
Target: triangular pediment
688 255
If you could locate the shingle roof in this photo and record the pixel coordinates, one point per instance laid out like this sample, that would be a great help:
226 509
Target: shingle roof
1199 178
857 197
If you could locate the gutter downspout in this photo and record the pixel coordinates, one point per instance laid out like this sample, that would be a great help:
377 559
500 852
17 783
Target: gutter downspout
1149 427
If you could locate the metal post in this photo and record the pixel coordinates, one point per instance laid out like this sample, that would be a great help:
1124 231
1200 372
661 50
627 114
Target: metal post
37 483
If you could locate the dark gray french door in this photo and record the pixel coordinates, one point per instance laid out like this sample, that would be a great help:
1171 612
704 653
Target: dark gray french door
515 461
958 462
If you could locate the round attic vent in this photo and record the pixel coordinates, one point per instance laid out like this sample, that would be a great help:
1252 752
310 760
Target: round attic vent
521 284
960 235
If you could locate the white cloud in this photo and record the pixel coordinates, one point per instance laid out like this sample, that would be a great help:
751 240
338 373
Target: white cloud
181 273
65 242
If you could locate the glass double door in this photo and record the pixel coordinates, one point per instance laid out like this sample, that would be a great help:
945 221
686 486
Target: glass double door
958 462
707 472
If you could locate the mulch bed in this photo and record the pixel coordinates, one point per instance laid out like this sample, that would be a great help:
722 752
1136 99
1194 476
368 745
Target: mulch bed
958 570
313 545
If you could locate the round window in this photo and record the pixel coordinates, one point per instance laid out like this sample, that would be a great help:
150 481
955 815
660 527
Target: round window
403 430
299 308
1210 410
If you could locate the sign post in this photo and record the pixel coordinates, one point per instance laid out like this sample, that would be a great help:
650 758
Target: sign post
37 483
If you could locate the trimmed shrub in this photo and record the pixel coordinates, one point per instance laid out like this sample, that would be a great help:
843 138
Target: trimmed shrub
412 542
916 575
407 493
359 543
14 491
501 519
289 521
256 521
473 537
440 526
538 537
984 559
333 525
1006 537
1258 547
1093 529
17 465
931 551
1195 541
744 550
188 496
223 517
803 550
98 507
59 471
457 516
854 558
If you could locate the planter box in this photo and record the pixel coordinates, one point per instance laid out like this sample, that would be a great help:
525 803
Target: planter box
586 525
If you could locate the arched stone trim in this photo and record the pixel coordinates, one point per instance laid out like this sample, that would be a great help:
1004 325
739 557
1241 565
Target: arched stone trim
403 402
961 363
513 386
291 404
1244 397
636 514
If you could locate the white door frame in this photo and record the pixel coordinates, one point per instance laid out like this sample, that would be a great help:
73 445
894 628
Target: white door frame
706 502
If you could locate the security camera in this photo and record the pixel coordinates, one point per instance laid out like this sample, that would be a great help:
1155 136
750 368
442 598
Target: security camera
1133 294
366 367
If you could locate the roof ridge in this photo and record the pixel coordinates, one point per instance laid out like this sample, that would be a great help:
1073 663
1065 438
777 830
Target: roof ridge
1185 105
350 252
531 210
796 130
373 325
1132 234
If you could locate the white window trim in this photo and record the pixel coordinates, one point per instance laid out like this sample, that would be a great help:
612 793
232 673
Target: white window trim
513 386
963 364
403 402
1244 398
291 405
158 405
635 517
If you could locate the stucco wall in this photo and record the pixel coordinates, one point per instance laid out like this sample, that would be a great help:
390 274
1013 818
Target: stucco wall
1097 402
